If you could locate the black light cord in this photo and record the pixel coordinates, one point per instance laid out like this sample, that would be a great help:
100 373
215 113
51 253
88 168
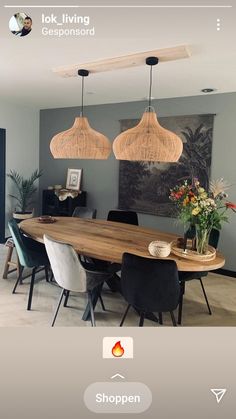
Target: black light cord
82 73
151 61
150 90
82 101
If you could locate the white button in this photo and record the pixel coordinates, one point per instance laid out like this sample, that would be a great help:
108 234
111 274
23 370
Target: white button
119 397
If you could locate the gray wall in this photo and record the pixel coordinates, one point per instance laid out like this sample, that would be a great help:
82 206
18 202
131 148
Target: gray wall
22 143
100 178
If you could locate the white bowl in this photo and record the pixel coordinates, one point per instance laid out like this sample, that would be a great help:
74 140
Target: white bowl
57 186
159 249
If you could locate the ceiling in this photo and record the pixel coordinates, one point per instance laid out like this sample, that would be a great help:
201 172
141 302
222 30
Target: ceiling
26 75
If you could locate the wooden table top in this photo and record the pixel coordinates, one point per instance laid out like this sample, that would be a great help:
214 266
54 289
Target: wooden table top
108 240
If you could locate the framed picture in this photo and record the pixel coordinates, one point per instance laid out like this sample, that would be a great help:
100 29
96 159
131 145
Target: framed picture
73 180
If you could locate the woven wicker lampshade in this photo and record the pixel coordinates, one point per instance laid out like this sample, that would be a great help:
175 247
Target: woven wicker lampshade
148 140
81 141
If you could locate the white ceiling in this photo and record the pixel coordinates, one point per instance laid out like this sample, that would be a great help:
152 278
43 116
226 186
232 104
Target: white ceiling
26 62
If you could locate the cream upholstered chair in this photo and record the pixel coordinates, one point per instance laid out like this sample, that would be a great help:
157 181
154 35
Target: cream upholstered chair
71 274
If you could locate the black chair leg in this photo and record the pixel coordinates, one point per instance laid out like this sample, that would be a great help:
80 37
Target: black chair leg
18 280
58 306
46 273
160 317
67 294
182 289
206 299
94 296
141 321
124 317
90 301
173 319
31 289
51 276
101 301
21 279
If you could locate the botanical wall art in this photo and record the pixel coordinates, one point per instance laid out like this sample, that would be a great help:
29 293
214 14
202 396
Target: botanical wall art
145 186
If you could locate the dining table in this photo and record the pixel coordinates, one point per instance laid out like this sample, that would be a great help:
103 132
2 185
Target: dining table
108 240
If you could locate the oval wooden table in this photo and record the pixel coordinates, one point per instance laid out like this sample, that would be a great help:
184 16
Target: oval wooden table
107 240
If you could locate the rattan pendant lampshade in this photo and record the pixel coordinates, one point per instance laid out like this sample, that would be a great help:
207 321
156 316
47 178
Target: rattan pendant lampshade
81 141
148 141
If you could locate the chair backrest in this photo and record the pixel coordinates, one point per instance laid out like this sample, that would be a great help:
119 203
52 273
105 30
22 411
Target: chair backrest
66 266
26 258
213 239
150 285
119 216
84 212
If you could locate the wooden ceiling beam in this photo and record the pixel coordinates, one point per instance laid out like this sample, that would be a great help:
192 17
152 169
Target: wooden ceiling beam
126 61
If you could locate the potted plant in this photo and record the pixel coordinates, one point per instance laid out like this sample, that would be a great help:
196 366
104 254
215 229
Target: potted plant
25 189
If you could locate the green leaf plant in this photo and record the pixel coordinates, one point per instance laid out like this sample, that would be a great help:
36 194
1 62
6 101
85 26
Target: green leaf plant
25 189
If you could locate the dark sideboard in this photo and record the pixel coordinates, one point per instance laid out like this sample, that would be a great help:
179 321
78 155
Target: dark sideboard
51 205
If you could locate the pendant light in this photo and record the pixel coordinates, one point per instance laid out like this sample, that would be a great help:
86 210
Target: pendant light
148 140
80 141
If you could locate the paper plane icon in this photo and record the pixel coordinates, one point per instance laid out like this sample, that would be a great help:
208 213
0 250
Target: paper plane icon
218 393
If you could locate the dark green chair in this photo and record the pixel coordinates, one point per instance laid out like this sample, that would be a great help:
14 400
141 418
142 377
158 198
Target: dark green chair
188 276
84 212
31 255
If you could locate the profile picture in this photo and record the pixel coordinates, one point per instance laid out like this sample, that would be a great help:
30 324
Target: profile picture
20 24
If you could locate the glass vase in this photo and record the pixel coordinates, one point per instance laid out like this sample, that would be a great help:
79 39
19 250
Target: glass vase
202 239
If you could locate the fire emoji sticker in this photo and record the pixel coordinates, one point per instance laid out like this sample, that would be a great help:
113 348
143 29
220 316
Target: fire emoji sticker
117 350
117 347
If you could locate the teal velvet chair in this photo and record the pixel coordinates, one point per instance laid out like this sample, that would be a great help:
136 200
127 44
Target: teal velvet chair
31 255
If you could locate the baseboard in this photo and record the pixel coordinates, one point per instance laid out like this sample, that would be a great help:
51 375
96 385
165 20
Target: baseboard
226 272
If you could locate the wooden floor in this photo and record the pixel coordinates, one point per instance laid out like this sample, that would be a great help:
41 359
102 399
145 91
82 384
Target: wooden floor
221 292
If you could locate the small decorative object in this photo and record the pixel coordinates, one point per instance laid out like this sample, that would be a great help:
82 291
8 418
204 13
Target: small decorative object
159 248
148 141
57 187
25 191
80 141
46 219
63 194
73 179
178 249
202 209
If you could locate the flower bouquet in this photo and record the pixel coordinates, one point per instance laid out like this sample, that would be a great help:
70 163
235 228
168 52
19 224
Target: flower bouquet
201 209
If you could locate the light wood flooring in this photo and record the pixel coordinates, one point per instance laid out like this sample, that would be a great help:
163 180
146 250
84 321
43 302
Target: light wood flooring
221 291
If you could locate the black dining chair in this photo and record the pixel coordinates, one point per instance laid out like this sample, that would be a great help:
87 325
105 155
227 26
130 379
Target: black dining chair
188 276
119 216
149 285
126 217
84 212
